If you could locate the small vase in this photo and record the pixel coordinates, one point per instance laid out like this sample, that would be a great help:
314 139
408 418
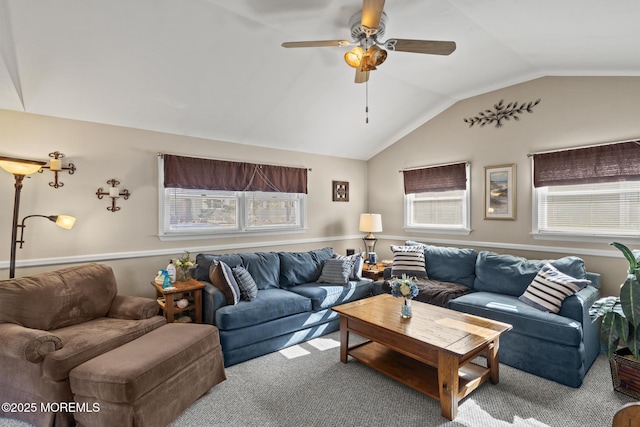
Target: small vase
183 275
406 308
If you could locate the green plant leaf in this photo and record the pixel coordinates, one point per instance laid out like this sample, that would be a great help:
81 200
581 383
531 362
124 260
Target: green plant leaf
610 332
630 299
633 342
605 305
633 262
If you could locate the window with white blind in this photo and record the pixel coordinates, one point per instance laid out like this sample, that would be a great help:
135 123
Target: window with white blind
187 212
587 194
437 199
605 209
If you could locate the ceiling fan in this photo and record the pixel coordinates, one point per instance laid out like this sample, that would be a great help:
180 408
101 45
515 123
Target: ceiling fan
367 30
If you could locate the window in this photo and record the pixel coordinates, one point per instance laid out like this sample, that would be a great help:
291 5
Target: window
437 199
187 212
606 209
587 193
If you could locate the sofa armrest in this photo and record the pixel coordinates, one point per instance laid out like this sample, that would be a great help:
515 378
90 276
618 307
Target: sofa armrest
133 308
576 306
212 299
29 344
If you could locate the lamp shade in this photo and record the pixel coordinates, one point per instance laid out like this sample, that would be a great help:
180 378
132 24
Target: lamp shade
370 223
65 221
20 166
354 57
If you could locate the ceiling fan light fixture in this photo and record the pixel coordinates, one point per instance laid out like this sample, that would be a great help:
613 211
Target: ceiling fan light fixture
373 57
354 57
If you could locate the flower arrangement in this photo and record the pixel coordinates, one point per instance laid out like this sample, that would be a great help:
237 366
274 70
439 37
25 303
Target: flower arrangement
184 263
404 287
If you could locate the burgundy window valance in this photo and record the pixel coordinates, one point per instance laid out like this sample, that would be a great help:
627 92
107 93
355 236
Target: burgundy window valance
435 179
208 174
603 163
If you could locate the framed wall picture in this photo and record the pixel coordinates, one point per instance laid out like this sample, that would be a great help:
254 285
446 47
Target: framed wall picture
340 191
500 192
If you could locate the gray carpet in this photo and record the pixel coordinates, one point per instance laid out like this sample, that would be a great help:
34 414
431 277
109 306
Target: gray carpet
306 385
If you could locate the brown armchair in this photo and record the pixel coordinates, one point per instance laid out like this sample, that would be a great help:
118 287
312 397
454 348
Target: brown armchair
53 322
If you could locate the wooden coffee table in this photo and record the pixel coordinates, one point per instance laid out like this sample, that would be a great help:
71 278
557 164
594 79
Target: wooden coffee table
432 352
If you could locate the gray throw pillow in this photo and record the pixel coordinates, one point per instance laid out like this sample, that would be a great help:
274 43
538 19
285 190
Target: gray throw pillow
336 271
248 287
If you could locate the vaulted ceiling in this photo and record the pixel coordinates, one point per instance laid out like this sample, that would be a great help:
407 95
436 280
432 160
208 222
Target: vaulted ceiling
215 69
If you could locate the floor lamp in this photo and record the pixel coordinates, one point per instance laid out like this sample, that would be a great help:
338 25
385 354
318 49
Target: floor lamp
21 168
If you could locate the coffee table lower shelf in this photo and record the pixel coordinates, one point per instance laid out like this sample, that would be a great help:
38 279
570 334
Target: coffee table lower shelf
413 373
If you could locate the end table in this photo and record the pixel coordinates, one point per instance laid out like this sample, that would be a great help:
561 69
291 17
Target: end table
191 290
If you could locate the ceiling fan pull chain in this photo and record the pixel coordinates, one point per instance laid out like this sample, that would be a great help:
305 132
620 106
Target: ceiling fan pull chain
366 107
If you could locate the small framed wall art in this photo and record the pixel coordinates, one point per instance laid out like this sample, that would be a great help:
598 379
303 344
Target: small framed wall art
340 191
500 192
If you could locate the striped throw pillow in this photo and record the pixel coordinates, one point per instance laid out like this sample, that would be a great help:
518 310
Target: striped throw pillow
358 264
248 287
336 271
408 260
550 287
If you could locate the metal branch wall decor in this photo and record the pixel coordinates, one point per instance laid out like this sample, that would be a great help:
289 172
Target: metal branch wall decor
502 112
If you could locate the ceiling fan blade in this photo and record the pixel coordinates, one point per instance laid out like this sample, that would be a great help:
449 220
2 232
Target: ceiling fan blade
361 76
432 47
371 13
317 43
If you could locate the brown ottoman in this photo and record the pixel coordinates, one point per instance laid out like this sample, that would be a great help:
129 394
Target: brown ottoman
150 380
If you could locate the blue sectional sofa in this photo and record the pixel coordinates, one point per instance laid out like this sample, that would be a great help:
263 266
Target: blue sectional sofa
290 307
560 347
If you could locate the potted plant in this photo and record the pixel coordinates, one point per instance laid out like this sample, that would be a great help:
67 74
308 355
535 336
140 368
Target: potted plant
621 325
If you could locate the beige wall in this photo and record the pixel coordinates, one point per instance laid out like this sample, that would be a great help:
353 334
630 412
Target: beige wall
127 240
573 112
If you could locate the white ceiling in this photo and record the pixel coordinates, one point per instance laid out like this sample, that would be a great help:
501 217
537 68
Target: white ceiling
215 68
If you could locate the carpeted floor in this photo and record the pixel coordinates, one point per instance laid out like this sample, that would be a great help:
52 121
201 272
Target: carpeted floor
306 385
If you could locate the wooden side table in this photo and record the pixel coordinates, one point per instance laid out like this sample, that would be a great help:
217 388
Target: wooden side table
191 290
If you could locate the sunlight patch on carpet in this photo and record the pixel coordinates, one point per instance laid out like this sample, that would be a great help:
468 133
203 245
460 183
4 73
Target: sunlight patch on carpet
323 344
471 414
293 352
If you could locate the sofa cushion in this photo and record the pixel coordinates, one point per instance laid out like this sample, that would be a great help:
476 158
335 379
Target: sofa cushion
447 264
264 267
408 260
297 268
525 319
89 339
511 275
269 304
58 298
222 278
336 271
203 263
550 287
325 295
248 287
